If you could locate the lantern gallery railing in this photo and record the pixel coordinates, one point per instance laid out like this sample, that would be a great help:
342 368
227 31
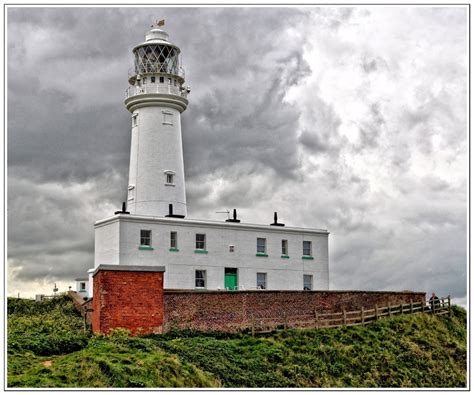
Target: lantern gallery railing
155 88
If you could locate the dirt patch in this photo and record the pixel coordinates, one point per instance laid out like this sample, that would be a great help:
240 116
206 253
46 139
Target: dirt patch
47 364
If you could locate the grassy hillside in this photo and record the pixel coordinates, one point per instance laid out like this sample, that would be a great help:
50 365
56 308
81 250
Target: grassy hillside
47 347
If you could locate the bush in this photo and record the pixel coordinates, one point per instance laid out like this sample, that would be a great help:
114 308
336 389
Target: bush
47 328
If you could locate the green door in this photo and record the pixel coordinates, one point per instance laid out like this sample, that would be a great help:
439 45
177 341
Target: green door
230 278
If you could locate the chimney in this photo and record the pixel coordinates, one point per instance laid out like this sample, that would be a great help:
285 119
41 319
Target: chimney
124 209
171 215
234 219
275 220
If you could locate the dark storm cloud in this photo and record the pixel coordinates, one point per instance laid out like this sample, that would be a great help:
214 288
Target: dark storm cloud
330 116
67 126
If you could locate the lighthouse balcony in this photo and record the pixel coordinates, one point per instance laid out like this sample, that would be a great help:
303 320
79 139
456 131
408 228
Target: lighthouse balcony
156 88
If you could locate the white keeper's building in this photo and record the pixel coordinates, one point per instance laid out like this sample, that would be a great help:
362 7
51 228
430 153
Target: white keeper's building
154 229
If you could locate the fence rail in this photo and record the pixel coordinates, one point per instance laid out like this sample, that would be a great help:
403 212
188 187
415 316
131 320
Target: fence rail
441 306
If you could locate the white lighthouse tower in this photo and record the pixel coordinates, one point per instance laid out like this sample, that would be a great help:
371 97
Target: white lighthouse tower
156 98
155 230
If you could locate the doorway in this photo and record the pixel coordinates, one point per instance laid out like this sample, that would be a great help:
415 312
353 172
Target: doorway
231 279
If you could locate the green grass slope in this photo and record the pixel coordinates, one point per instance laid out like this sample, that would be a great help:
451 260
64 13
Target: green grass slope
404 351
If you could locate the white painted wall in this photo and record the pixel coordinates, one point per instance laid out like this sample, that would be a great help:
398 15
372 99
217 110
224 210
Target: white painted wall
283 274
156 147
85 292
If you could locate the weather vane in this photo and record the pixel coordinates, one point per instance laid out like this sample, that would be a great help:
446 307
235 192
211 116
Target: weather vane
158 23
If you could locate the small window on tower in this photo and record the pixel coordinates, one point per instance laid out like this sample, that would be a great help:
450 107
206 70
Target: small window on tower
174 82
131 192
169 81
169 177
167 118
153 79
135 119
162 80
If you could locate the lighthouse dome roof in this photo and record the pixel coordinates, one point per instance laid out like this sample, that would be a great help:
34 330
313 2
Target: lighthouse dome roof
157 34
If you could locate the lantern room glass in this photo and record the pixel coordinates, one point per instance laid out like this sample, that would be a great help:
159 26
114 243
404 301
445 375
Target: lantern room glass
157 58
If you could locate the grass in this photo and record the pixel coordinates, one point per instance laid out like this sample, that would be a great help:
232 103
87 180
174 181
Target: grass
413 351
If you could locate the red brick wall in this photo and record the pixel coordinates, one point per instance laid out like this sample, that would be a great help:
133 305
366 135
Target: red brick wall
128 299
233 311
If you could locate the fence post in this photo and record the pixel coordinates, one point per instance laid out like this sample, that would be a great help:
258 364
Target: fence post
362 318
401 308
411 306
449 306
376 313
316 318
432 306
285 322
344 316
252 319
389 310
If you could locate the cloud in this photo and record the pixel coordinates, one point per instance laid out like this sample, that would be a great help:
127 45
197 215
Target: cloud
351 119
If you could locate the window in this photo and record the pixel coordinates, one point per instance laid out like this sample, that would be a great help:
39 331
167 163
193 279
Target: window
144 80
169 179
174 240
261 280
261 246
167 118
153 79
200 279
307 282
162 80
135 119
200 241
307 248
131 192
82 286
284 247
174 82
169 81
145 237
231 248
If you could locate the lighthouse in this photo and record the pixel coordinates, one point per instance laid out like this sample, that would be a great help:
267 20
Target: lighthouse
154 233
156 97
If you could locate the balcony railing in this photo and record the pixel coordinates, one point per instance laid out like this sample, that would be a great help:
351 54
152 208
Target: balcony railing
155 88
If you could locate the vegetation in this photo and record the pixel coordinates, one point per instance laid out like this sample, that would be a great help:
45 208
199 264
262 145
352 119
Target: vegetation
403 351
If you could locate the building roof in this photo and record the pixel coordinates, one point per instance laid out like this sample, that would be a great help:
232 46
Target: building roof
129 268
207 223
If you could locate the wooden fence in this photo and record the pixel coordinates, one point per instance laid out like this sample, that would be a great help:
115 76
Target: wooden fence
318 320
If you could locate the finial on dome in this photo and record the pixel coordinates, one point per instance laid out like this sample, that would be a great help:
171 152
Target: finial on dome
156 32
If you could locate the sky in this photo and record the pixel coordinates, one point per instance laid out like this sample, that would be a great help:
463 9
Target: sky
351 119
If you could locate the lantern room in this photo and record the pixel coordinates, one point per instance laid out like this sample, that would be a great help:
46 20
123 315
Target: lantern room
156 57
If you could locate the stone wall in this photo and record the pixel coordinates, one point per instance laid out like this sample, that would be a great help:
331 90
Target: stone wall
128 297
82 306
234 311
